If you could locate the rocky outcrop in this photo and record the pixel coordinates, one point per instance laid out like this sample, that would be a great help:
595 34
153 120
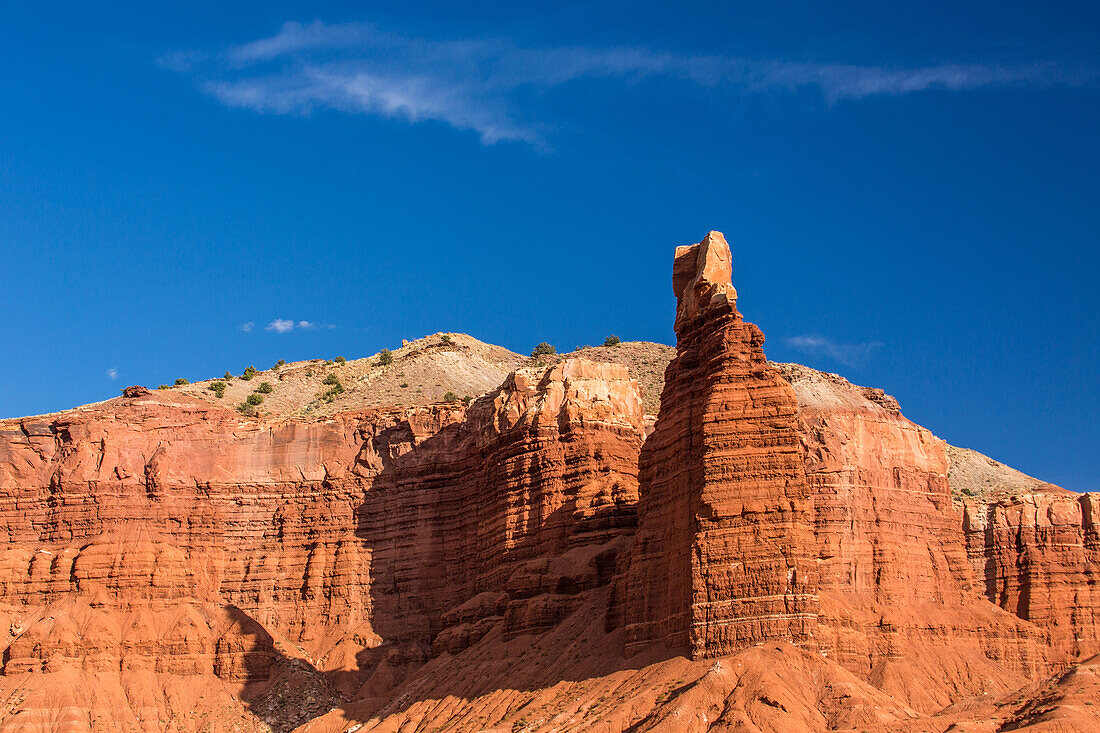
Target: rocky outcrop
723 557
898 598
781 553
201 544
1037 555
531 495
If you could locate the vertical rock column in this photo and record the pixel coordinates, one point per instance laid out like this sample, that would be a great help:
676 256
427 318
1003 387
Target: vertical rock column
723 555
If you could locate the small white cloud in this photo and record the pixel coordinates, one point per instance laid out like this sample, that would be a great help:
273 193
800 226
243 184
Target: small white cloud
307 325
852 355
112 372
246 327
280 325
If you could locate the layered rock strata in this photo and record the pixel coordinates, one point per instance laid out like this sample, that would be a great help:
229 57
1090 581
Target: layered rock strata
1037 555
898 597
197 543
527 562
723 557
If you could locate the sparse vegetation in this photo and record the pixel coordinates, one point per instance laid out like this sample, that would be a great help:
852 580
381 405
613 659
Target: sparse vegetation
340 360
247 410
385 357
228 377
404 385
330 394
450 397
467 400
611 340
217 388
265 388
249 373
165 386
544 349
180 381
279 364
254 399
328 362
446 339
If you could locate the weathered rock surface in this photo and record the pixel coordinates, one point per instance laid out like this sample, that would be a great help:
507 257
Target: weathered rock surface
723 558
349 540
898 597
782 553
1037 555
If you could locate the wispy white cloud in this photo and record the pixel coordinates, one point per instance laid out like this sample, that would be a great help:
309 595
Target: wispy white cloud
112 372
477 84
246 327
852 355
286 325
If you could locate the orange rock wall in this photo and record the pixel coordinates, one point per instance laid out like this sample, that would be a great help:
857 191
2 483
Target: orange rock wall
898 598
335 535
723 558
1037 555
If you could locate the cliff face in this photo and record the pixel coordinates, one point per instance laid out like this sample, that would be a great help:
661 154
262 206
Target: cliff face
781 553
723 555
510 513
1037 555
898 597
158 533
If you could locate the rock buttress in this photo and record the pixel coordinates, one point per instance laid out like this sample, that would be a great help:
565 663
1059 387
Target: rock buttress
1037 555
723 556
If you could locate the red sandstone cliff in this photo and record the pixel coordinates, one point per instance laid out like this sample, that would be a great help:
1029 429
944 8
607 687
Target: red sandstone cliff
529 563
899 605
1037 555
723 554
176 538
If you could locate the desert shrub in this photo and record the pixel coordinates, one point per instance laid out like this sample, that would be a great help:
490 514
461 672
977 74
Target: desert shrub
227 376
331 379
450 397
445 339
180 381
249 373
254 399
544 349
328 362
611 340
404 385
165 386
217 388
467 400
330 394
340 360
265 388
385 358
280 363
246 409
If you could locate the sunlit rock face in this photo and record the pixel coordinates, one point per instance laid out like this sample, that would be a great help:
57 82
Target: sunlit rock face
1037 555
723 557
782 552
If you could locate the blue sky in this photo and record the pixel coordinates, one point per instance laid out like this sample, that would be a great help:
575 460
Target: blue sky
911 194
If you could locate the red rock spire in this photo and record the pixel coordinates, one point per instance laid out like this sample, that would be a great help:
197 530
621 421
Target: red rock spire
723 556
